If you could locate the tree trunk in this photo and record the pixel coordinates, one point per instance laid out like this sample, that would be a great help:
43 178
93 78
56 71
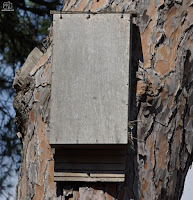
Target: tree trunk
160 150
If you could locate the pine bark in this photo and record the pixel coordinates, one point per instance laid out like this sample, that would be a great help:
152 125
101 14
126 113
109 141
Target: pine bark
160 152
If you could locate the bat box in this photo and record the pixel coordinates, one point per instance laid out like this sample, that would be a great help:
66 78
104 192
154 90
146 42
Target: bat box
90 96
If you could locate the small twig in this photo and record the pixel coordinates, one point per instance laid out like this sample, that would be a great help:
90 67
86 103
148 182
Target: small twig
131 137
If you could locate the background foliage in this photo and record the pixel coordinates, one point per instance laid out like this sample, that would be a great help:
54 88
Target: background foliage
20 31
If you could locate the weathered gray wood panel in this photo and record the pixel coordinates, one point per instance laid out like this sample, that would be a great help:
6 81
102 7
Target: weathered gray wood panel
89 179
89 100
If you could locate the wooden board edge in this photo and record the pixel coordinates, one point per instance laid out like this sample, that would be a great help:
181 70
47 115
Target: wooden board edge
90 179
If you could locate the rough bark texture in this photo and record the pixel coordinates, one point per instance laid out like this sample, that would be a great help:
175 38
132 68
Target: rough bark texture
161 102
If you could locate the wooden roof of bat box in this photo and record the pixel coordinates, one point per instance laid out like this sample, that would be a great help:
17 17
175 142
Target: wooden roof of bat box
90 90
